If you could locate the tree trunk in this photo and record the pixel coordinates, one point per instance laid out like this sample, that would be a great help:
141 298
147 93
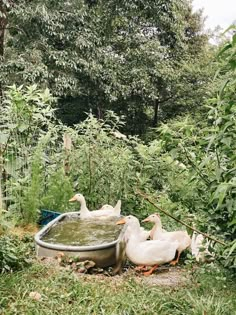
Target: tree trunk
99 112
156 110
3 24
1 201
2 206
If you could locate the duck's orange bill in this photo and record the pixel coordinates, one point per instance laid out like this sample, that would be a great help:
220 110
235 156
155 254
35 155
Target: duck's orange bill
73 199
146 220
122 221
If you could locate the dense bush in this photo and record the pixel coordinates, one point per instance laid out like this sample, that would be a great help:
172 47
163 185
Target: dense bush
14 253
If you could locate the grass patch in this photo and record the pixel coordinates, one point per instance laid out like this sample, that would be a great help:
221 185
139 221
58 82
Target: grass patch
64 292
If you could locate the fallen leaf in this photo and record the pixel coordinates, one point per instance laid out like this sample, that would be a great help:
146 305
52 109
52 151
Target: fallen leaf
35 295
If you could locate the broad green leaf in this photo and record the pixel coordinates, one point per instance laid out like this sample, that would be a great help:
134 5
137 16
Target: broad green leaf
221 193
232 249
225 48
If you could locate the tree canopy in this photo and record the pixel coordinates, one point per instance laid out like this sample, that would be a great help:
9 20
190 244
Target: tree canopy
141 59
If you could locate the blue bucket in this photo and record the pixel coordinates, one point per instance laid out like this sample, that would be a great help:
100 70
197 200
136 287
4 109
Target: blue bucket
46 216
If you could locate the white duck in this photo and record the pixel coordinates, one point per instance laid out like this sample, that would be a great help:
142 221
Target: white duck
146 253
196 244
85 213
142 234
157 233
116 209
200 250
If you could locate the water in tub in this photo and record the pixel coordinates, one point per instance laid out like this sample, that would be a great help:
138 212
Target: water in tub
72 231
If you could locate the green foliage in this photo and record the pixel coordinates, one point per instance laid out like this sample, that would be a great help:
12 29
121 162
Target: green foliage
222 142
30 202
228 256
200 176
6 222
102 162
58 191
26 113
14 254
27 122
134 58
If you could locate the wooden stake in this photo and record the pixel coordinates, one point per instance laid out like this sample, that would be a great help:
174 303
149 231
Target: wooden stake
146 197
1 202
67 146
1 159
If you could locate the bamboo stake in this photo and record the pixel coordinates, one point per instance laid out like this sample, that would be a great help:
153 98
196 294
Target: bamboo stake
146 197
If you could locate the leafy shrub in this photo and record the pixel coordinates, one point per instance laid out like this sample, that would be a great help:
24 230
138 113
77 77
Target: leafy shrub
59 189
6 221
102 163
222 147
26 119
31 195
227 257
14 253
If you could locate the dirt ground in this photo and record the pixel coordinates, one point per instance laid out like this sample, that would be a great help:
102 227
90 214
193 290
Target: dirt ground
164 276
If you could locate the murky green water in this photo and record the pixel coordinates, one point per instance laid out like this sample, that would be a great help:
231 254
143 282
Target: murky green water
83 232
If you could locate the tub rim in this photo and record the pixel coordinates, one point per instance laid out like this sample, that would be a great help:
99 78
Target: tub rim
61 247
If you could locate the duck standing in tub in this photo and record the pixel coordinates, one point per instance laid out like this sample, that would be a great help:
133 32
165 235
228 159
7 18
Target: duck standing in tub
116 209
85 213
157 233
146 253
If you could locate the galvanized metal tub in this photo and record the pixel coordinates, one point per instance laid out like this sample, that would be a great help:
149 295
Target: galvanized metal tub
103 255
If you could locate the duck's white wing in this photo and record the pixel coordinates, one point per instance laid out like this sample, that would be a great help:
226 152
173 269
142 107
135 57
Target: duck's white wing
102 213
152 252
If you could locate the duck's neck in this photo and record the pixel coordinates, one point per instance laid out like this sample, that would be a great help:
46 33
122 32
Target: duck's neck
133 240
133 234
83 208
157 229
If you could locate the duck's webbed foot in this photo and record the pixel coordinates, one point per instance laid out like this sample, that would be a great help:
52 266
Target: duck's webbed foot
140 268
149 272
175 261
